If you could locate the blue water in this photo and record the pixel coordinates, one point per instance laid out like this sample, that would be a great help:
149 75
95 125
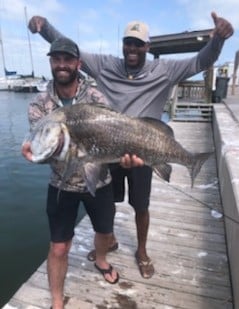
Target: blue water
23 225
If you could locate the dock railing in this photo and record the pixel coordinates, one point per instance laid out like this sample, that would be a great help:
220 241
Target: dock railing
188 102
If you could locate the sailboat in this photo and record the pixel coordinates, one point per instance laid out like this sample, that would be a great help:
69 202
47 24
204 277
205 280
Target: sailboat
10 78
12 81
30 83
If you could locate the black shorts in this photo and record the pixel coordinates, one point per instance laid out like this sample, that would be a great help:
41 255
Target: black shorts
62 213
139 184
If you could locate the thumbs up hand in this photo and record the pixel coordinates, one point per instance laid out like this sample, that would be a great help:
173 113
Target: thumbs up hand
222 27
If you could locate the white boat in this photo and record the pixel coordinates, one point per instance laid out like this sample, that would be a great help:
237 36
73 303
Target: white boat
28 84
20 83
8 83
31 85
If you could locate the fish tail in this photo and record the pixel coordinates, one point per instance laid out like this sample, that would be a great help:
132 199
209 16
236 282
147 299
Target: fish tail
198 161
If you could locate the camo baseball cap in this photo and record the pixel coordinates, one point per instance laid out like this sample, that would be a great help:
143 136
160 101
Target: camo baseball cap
138 30
64 45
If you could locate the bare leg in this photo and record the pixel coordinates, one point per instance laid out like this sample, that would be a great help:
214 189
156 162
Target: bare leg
112 241
112 246
57 263
142 226
102 242
143 260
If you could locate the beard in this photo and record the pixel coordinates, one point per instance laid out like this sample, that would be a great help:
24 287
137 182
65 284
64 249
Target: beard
65 79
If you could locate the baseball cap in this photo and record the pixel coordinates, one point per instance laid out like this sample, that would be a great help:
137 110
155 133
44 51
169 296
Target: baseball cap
64 45
138 30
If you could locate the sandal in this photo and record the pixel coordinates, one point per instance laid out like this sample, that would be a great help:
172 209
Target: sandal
146 268
107 271
91 256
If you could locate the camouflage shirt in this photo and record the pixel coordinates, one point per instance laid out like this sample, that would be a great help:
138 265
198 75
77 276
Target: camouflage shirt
45 103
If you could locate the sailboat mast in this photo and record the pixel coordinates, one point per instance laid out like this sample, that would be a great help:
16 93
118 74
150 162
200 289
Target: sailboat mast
29 41
2 51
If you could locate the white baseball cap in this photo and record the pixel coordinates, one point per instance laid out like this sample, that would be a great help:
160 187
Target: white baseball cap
138 30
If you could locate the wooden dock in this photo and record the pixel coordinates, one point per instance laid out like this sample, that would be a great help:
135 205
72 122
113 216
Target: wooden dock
186 243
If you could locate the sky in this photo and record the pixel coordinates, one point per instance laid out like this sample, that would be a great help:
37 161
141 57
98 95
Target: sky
98 26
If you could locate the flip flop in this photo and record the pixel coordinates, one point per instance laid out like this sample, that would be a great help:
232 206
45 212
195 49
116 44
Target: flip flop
107 271
146 267
91 256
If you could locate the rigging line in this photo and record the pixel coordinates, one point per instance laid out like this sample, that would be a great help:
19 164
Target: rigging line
201 202
29 41
2 49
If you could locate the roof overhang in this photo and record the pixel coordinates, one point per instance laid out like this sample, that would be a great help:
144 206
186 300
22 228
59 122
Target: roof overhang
184 42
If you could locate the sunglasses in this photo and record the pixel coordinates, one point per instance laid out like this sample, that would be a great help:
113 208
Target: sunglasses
133 41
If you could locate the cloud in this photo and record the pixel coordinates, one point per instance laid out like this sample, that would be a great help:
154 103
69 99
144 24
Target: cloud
199 12
11 9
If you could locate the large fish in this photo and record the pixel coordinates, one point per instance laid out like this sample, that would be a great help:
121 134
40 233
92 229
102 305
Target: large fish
103 136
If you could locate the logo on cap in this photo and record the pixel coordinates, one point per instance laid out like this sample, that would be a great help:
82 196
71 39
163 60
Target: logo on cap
135 28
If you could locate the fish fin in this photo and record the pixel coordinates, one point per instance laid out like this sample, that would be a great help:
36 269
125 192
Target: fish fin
163 170
159 124
92 174
103 106
198 160
103 172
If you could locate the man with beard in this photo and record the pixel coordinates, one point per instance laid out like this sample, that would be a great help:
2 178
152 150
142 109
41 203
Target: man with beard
140 87
67 88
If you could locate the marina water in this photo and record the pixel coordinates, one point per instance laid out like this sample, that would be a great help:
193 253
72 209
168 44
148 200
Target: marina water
23 224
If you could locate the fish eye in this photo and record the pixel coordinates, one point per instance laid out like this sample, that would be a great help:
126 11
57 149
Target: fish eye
47 131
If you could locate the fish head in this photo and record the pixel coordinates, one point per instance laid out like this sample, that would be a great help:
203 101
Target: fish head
50 140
